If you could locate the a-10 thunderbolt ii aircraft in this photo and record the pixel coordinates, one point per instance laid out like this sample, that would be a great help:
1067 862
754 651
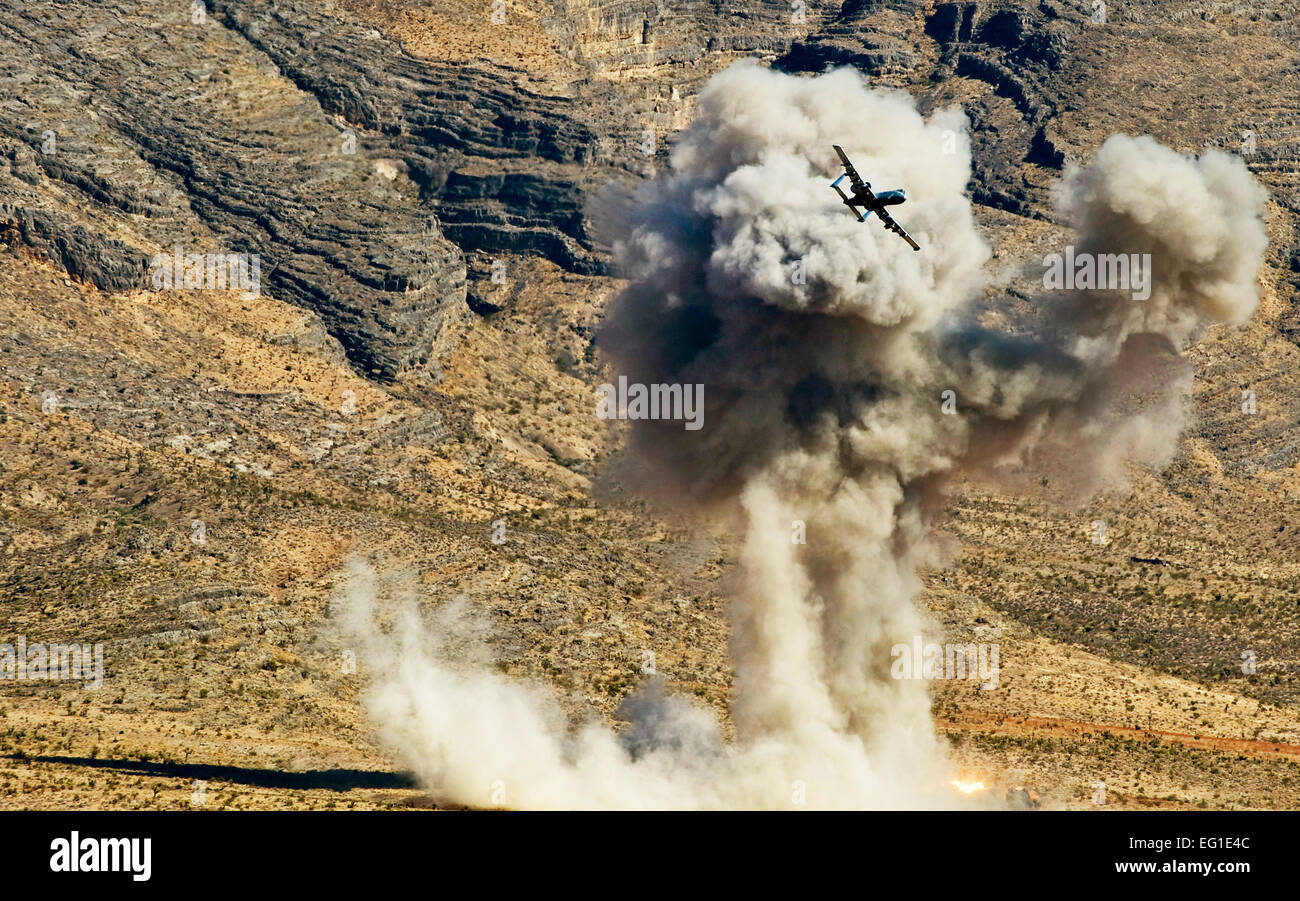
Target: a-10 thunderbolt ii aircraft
869 201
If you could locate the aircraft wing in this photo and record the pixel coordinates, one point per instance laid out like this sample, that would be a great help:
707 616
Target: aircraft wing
847 202
848 168
896 228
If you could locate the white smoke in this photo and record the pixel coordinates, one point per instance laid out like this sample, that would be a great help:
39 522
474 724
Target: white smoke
823 406
1199 218
480 738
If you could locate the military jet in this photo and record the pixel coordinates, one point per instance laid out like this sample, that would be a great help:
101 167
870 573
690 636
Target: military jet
869 201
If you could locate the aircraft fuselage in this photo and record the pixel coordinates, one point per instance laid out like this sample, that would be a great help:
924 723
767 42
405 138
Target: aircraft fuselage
883 199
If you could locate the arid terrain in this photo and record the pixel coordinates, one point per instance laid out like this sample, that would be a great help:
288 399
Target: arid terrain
184 475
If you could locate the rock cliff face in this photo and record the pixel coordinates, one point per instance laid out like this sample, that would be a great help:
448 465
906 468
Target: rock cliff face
152 130
637 39
502 167
361 173
315 144
356 172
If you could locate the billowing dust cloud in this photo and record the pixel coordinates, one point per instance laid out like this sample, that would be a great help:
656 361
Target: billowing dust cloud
826 347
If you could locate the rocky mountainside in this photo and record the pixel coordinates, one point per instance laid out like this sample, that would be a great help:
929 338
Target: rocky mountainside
185 474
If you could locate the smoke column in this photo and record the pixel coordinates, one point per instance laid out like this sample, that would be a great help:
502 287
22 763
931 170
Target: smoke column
823 405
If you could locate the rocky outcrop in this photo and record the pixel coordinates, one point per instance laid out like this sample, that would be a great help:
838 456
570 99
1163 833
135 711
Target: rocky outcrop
361 175
503 168
163 130
617 37
857 37
89 256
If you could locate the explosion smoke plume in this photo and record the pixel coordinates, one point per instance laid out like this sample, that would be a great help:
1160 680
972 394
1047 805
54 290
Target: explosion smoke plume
823 405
